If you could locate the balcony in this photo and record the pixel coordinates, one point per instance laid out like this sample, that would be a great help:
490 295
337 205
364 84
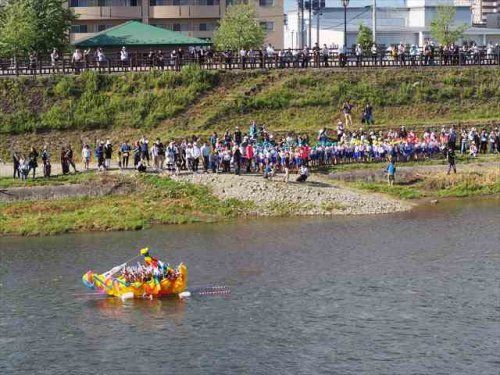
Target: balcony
108 13
184 11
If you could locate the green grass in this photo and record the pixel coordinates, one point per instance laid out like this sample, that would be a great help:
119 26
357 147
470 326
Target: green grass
156 200
477 182
460 159
177 104
398 191
99 101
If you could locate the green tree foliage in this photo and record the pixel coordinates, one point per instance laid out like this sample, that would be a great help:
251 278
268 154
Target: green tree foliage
34 25
365 37
17 28
239 28
442 28
53 21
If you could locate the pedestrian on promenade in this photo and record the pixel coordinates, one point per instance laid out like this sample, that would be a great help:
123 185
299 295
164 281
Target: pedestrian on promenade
46 162
108 154
70 158
64 161
33 160
86 156
99 155
125 150
15 164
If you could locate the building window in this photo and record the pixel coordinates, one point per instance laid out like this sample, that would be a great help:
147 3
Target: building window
80 3
103 27
181 27
79 29
267 26
266 3
203 27
117 3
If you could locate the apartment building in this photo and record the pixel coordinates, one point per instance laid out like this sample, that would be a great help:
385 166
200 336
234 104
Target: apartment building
196 18
482 9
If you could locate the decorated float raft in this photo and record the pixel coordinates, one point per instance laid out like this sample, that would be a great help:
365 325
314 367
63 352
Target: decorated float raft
153 279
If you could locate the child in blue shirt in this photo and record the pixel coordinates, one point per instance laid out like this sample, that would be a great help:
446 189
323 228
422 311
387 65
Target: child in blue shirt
391 171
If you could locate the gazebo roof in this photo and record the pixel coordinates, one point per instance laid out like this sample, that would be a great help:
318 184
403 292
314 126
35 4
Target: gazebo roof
135 34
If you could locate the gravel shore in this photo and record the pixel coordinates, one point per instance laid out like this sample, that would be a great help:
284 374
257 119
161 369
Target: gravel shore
318 196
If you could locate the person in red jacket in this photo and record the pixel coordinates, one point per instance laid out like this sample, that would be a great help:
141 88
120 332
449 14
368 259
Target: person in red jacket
250 155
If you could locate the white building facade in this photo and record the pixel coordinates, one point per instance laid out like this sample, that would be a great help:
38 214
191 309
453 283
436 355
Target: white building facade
406 21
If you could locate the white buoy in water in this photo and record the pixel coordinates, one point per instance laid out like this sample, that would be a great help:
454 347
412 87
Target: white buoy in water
184 295
127 295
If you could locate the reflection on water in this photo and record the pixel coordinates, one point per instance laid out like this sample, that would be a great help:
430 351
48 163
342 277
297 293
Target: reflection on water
405 293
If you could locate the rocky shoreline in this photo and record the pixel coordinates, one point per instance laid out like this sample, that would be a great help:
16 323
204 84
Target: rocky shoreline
318 196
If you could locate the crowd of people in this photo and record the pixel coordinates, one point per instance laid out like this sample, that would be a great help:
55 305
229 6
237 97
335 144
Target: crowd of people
152 269
257 150
402 54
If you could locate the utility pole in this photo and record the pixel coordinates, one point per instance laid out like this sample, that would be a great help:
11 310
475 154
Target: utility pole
310 24
345 3
301 24
317 26
374 21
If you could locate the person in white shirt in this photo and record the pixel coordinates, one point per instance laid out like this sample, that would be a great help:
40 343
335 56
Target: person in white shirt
374 51
189 157
205 153
196 156
54 58
303 173
325 52
401 53
77 59
124 56
86 156
101 58
243 57
359 54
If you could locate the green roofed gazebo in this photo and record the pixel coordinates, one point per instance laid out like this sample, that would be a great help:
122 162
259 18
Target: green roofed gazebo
138 36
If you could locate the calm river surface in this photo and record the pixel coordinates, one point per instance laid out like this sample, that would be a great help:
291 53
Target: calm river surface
412 293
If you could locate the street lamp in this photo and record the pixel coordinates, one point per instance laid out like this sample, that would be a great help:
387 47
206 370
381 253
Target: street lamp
345 3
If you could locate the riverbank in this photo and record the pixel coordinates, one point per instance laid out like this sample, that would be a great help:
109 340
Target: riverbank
128 201
63 110
131 202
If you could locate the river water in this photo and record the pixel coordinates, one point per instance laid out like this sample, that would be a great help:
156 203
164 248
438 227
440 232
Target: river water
410 293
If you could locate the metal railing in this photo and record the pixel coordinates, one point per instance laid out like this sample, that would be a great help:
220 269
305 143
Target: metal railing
229 61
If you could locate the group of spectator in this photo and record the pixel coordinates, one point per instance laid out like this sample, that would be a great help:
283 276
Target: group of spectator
258 151
268 57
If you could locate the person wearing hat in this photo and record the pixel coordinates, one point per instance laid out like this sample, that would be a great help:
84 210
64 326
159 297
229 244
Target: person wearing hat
108 152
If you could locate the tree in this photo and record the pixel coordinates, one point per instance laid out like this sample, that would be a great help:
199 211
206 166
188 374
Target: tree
54 20
365 37
34 25
239 28
442 26
17 29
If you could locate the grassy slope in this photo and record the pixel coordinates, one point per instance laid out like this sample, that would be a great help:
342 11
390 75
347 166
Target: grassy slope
157 200
199 101
480 182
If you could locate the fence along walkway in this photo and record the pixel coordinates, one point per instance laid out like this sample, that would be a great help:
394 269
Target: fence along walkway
141 62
